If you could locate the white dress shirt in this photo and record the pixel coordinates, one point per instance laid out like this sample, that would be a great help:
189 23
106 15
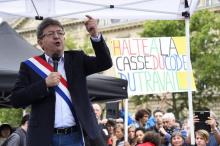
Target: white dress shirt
63 114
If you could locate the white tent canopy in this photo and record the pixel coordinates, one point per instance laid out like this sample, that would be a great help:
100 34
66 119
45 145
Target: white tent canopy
116 9
112 9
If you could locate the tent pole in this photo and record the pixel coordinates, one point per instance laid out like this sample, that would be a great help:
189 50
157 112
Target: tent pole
189 81
126 120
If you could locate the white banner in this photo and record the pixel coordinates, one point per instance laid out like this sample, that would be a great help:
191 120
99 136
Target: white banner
152 65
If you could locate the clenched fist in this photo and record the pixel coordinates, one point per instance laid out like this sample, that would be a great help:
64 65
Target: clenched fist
53 79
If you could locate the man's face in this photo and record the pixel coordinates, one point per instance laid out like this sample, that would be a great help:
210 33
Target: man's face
168 123
158 116
97 110
144 119
52 40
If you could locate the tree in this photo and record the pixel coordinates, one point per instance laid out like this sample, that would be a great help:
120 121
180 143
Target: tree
205 54
70 44
11 116
162 28
205 44
87 47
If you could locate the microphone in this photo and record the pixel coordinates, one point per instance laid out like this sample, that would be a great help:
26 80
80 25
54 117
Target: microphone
55 58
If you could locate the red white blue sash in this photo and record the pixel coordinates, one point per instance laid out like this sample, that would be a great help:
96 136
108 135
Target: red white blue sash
42 68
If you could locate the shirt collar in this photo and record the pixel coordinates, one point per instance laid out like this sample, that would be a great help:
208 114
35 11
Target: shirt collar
49 59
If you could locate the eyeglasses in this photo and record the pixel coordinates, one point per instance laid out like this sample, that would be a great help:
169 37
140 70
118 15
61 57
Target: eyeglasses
50 34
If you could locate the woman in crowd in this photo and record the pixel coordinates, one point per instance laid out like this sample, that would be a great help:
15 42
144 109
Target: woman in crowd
118 138
110 125
139 135
131 135
177 139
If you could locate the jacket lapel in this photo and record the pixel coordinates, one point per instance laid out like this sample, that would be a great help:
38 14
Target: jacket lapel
68 69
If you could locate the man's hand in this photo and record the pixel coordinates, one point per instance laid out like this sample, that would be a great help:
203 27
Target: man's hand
162 130
91 26
53 79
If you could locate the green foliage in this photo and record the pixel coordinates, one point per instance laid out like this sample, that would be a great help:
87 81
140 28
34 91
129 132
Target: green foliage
205 46
11 116
87 46
204 27
70 44
205 54
162 28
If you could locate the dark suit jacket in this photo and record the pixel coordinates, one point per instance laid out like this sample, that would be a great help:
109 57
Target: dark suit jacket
30 89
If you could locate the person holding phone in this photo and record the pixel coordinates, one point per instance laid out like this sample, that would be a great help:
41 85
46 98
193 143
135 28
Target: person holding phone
214 133
201 117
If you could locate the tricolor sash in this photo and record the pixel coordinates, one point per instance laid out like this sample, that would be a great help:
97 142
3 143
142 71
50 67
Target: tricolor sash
42 68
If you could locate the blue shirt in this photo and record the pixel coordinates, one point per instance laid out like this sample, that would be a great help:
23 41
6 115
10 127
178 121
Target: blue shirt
212 140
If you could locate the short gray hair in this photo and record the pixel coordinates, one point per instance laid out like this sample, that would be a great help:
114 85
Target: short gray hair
44 24
169 116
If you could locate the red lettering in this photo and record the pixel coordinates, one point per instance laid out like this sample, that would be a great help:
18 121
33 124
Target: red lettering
125 47
116 47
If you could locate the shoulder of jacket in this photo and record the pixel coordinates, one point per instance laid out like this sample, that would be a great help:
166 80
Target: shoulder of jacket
15 134
14 137
19 131
74 52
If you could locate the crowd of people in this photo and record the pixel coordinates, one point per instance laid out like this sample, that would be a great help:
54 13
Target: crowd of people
54 86
158 128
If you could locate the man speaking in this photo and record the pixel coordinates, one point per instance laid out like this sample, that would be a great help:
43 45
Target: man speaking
54 84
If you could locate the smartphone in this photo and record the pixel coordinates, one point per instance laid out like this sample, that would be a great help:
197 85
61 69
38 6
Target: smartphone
203 116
